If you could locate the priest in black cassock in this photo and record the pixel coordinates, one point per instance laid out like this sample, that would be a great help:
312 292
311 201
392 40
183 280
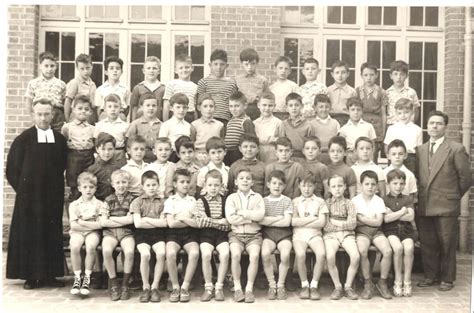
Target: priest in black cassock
35 169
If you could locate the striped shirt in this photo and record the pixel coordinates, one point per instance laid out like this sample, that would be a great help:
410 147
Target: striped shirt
237 127
117 206
341 210
220 90
189 88
280 206
215 209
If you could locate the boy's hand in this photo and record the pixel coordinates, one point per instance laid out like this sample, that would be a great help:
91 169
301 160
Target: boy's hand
404 210
223 221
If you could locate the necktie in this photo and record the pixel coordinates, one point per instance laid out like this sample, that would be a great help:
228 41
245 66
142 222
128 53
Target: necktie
431 152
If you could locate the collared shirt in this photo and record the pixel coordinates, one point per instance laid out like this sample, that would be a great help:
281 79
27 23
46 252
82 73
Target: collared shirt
371 166
394 95
351 131
320 173
45 136
257 168
306 207
309 91
268 129
117 129
281 89
220 89
224 170
85 210
157 88
396 203
215 209
296 130
410 181
371 208
117 206
189 88
279 206
80 87
103 171
252 85
106 89
409 133
339 96
79 135
252 202
437 142
165 175
135 170
174 128
205 129
147 129
342 210
193 169
147 206
176 204
53 89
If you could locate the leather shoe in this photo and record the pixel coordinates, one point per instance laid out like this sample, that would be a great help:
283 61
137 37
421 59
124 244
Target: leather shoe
445 286
428 282
53 282
30 284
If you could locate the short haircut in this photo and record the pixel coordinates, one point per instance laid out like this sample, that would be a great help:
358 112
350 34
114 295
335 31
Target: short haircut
104 138
181 172
135 139
397 143
369 66
215 143
242 170
315 139
203 97
82 99
368 174
399 66
152 58
308 178
120 173
283 141
339 63
278 175
219 54
354 102
404 103
111 59
439 113
396 174
163 140
249 138
83 58
86 177
338 140
365 139
112 98
249 55
147 96
46 55
150 175
184 58
43 101
336 176
321 97
310 61
267 95
185 142
179 98
282 58
238 96
293 96
213 174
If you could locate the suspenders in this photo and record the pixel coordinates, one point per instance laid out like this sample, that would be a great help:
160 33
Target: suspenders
208 209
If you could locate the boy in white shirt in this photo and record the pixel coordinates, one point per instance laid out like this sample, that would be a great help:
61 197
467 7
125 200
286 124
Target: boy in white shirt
282 87
364 149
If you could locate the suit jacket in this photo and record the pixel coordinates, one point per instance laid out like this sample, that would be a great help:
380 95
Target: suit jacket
441 188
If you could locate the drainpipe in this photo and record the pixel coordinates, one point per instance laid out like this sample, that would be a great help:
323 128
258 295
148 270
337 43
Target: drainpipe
464 223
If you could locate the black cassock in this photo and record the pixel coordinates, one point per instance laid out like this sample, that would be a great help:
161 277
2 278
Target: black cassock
36 172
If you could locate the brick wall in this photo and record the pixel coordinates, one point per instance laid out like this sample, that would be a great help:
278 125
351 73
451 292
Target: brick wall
23 25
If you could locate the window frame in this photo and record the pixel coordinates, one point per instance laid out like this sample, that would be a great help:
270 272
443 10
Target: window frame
397 25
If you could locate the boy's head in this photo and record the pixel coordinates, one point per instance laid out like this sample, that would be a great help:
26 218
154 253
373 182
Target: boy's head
244 180
337 147
112 105
179 105
87 184
237 104
185 149
119 181
249 60
47 64
369 73
307 186
218 63
310 69
398 72
364 148
294 104
337 186
284 149
355 106
340 72
276 182
183 66
81 107
213 182
151 68
396 181
105 146
404 110
136 147
282 67
162 149
113 67
322 105
311 148
215 147
248 146
369 181
396 152
266 104
84 65
149 105
206 105
181 181
150 183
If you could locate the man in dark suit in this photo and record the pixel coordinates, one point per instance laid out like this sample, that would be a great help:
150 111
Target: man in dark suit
443 173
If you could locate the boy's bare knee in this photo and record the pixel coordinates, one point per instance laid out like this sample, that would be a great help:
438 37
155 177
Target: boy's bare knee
387 252
145 255
193 254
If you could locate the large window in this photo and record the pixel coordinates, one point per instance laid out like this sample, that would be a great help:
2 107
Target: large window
192 45
142 46
298 14
63 46
386 16
102 46
298 50
344 50
381 53
424 16
342 15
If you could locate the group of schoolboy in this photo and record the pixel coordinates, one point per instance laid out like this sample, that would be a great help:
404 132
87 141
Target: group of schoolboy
237 165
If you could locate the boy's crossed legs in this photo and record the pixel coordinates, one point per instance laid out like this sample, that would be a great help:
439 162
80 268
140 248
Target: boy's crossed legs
276 290
207 250
91 240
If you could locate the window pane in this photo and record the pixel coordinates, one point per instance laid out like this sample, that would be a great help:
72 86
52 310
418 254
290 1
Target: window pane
415 55
307 14
349 15
429 88
112 11
197 49
291 50
291 15
373 53
96 11
431 14
138 12
181 12
52 42
431 56
306 50
390 15
415 81
388 56
67 71
111 44
329 79
427 107
136 75
293 75
375 15
68 46
51 10
334 15
351 78
138 48
181 45
197 74
416 16
386 81
332 52
68 10
96 47
96 75
348 52
197 12
154 12
154 46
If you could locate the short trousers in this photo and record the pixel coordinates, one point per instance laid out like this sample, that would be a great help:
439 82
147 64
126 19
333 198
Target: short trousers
182 236
277 234
305 236
245 240
150 236
118 233
368 231
340 236
86 233
213 236
403 230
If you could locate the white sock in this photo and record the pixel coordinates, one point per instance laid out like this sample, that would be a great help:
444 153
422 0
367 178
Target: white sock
237 285
185 285
304 284
314 284
88 272
77 273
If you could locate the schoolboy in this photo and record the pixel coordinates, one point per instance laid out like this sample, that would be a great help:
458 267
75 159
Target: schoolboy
375 101
177 126
296 127
47 86
104 165
293 170
324 125
399 231
80 141
151 85
249 147
215 148
244 210
218 85
311 87
277 234
405 130
183 84
150 234
282 87
82 85
337 150
309 217
312 165
182 233
364 150
250 83
238 125
163 167
370 213
397 154
113 125
398 75
267 127
116 221
355 128
147 126
185 148
213 234
85 229
113 68
339 232
135 166
340 91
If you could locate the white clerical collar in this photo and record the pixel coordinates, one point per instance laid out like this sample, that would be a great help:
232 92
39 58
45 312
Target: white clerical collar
45 136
